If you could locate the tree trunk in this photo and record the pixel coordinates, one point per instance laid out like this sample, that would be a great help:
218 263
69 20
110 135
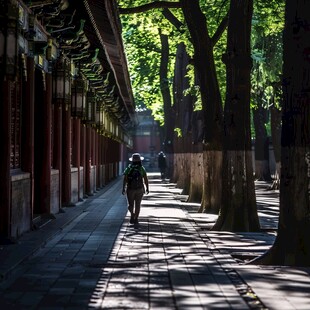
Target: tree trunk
210 97
183 106
181 165
276 143
184 165
197 176
292 245
177 162
262 169
212 185
164 87
238 211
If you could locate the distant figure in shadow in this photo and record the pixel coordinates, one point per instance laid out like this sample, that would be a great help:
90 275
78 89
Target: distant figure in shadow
162 164
135 178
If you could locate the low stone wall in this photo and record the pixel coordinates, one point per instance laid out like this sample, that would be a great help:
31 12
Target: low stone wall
74 185
81 191
55 195
21 213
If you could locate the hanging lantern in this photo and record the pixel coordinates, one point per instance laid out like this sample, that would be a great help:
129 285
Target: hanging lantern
101 119
111 127
8 38
78 97
98 116
107 125
90 116
23 21
117 131
51 52
62 81
106 121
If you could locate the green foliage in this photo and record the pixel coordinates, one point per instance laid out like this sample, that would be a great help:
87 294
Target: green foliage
193 90
269 16
143 50
267 28
142 44
178 132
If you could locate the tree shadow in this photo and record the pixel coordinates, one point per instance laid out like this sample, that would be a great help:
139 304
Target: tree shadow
162 265
173 262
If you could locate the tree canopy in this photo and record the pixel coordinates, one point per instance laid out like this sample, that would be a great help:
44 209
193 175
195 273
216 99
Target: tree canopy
141 21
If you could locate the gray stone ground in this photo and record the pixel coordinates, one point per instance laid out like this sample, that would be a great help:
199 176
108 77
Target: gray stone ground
91 257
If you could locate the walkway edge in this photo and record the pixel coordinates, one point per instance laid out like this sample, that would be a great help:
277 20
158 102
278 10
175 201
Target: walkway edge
11 256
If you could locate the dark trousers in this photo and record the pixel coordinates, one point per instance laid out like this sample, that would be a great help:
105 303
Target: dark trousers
134 198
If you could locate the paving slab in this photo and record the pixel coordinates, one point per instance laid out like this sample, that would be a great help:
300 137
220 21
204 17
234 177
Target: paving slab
90 257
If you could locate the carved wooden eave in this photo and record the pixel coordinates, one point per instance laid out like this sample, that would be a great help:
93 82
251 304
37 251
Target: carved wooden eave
105 21
88 32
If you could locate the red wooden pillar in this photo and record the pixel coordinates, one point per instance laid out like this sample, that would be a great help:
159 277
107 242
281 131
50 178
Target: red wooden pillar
76 142
5 138
57 142
27 132
118 158
96 138
103 159
99 161
106 140
113 158
45 180
109 151
42 142
88 160
66 155
76 148
83 158
93 156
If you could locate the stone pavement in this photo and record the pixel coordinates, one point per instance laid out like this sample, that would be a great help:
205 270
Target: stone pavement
91 257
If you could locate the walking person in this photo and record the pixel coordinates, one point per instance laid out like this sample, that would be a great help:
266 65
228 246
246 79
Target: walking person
162 164
135 185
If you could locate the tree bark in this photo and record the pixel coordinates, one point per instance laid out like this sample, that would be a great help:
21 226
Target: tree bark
262 169
149 6
276 143
238 211
164 86
292 245
196 176
211 100
183 106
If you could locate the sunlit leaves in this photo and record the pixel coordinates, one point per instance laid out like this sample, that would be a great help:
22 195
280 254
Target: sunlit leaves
178 132
269 15
143 49
142 43
267 27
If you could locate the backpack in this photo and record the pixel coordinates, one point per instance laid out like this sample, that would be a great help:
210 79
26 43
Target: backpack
134 177
161 161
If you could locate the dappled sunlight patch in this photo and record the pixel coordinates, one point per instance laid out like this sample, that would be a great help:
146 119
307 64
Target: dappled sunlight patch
172 253
290 284
165 247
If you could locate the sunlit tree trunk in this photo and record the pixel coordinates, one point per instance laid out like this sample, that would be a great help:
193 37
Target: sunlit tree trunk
275 120
168 113
196 175
183 107
292 245
211 103
238 211
261 146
